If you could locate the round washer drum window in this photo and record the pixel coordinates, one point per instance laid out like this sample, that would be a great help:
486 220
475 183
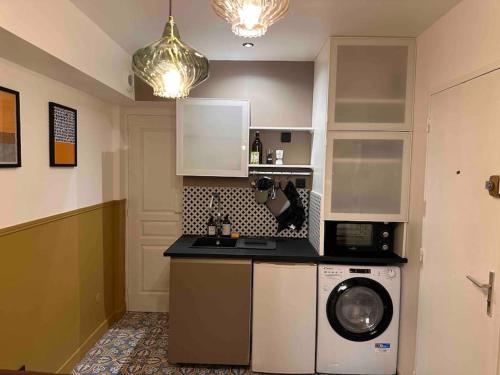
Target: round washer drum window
359 309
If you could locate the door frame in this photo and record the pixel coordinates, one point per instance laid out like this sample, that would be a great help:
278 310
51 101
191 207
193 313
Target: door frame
137 108
437 89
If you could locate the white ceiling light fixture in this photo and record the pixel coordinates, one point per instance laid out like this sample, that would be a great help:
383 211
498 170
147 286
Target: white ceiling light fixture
248 44
169 66
250 18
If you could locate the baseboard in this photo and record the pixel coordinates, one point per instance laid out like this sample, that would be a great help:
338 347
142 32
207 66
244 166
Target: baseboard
78 354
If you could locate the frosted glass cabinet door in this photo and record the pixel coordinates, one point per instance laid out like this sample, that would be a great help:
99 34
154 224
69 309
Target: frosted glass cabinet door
368 176
373 84
212 137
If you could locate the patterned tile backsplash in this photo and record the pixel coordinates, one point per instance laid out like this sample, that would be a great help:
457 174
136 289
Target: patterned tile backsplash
247 216
315 220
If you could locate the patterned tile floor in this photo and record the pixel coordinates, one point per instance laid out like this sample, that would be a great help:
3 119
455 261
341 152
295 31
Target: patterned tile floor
136 345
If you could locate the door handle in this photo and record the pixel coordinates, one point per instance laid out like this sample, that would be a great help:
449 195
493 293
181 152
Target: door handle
489 289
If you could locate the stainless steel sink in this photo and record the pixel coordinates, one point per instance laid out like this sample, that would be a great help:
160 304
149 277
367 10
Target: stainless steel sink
215 242
231 243
256 244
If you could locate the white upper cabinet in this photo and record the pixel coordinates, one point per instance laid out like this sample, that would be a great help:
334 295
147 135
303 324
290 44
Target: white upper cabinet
371 84
367 176
212 137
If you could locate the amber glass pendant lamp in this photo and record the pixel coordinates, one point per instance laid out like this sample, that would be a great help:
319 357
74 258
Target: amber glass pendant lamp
250 18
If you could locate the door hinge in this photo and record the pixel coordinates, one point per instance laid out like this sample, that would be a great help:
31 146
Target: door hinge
429 120
421 258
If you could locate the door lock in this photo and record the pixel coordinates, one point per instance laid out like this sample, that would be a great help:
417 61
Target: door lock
493 186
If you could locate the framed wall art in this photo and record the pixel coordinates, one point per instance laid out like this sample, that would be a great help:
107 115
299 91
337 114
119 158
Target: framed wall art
10 129
62 135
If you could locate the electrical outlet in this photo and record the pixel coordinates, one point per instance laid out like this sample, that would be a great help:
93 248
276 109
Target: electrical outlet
300 183
286 137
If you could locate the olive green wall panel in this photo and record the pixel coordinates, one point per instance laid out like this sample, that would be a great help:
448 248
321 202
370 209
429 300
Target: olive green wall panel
62 283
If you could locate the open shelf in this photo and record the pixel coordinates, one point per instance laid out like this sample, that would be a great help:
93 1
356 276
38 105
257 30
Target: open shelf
283 166
283 129
370 101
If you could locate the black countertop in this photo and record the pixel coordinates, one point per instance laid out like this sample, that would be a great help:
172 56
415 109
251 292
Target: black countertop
287 250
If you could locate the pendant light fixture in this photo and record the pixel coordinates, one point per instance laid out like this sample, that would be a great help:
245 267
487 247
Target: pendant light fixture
250 18
169 66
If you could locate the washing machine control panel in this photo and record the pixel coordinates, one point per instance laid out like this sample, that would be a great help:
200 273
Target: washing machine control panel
333 272
387 273
360 270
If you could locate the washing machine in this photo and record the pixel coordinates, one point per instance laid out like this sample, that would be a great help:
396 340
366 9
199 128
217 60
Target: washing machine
358 319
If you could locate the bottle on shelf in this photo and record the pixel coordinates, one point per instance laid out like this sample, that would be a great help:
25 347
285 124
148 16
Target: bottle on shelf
269 158
279 157
256 154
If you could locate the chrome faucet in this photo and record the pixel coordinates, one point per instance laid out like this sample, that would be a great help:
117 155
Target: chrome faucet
218 213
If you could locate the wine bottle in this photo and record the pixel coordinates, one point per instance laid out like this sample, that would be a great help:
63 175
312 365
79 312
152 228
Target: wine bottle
256 155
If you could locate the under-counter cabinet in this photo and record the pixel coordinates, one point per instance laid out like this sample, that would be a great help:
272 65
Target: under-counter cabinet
210 304
371 84
367 176
284 318
212 137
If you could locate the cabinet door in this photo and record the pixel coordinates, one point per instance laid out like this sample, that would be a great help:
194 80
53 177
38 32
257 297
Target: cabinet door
367 176
210 304
284 318
372 81
212 137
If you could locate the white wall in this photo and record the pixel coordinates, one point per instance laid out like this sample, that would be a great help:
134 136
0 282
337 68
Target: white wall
463 41
59 28
280 92
36 190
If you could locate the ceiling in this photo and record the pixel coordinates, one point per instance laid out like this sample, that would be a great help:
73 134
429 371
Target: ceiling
298 37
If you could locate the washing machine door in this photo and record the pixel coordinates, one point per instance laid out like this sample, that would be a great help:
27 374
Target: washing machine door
359 309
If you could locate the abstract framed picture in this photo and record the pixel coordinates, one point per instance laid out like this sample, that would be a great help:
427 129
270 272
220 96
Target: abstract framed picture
62 135
10 129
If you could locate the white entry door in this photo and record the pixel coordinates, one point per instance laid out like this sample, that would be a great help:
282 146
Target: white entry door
461 236
155 204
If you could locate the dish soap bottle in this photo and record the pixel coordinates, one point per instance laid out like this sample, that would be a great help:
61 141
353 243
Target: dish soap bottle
226 227
211 227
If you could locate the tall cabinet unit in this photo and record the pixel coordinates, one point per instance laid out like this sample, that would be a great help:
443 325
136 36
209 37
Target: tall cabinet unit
366 119
371 84
367 176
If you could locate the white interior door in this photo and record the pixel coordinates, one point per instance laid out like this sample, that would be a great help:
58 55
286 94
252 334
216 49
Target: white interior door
155 204
461 232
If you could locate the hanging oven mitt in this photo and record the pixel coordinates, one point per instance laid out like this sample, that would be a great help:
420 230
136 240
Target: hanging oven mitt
295 216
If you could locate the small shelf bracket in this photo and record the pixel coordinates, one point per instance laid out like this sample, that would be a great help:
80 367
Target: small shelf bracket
279 173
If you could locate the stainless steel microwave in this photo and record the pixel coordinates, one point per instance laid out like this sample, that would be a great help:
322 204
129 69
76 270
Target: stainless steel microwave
347 237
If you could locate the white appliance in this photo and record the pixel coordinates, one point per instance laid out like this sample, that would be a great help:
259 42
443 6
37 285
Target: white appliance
284 318
358 319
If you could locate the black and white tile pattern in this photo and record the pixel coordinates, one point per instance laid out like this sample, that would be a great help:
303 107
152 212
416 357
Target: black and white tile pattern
315 220
247 216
